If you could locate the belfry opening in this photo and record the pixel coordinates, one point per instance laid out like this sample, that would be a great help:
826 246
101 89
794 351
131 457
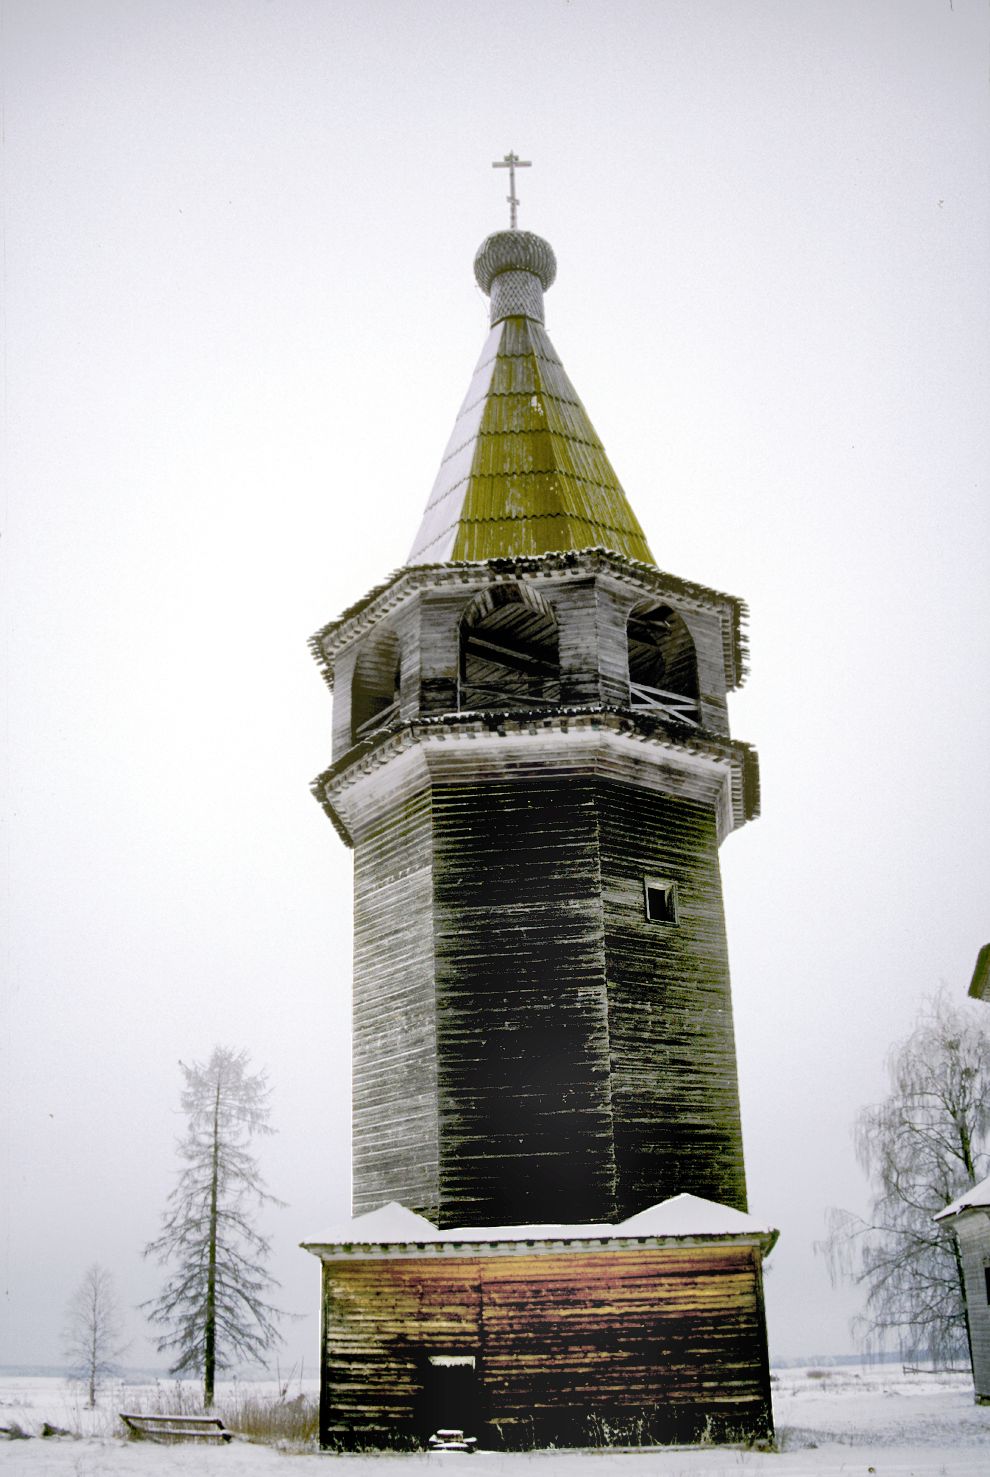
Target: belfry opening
551 1242
509 651
663 665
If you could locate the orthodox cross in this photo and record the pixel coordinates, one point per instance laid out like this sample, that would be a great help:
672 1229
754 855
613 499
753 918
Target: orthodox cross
512 162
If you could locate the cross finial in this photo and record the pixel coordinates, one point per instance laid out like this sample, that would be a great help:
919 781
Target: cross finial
512 162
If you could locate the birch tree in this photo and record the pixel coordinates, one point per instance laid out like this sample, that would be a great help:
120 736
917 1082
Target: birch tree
213 1305
922 1146
93 1325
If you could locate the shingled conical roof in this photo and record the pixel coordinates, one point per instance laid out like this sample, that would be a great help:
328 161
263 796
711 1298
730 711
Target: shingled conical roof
524 471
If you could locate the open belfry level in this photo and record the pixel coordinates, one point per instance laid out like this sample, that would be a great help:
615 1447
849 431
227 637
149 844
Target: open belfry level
532 763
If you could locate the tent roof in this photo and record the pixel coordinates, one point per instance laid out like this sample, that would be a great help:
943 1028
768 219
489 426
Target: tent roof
524 471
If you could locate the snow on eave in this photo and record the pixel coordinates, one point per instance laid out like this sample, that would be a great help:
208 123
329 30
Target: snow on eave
683 1218
393 1223
691 1215
976 1198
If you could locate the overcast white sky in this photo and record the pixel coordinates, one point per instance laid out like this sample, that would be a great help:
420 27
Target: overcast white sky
240 319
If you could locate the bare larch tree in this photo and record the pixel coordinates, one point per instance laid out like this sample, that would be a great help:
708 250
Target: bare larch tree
93 1325
213 1305
925 1144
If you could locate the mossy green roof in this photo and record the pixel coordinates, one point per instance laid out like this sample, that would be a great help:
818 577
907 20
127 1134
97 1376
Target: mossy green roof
524 471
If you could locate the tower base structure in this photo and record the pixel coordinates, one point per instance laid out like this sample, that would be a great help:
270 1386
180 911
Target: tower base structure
650 1332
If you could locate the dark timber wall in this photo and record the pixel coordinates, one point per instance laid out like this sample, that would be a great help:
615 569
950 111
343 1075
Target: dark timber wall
528 1046
569 1347
522 1031
675 1096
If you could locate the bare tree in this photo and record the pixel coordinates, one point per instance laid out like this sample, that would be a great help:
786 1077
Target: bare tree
926 1143
93 1326
213 1304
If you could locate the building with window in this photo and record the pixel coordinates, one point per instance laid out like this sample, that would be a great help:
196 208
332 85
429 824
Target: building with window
533 765
969 1218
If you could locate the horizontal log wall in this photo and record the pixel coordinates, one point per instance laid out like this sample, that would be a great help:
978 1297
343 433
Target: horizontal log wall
394 1048
525 1124
675 1097
973 1231
706 633
343 680
572 1347
577 623
380 1320
528 1046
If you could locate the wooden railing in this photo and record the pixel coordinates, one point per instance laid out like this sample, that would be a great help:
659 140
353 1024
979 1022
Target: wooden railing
673 704
378 720
655 699
473 696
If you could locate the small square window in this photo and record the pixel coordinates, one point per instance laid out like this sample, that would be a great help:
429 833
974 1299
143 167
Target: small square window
661 899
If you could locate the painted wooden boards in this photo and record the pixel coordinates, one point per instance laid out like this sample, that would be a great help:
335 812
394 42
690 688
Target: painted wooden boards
590 1346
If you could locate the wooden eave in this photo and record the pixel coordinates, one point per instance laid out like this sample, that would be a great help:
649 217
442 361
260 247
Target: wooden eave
403 584
393 1251
763 1241
379 748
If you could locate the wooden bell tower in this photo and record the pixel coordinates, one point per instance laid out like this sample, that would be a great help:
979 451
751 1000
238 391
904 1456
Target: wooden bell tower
533 765
532 762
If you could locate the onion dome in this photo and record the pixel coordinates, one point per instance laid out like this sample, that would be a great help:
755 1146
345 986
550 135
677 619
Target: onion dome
515 268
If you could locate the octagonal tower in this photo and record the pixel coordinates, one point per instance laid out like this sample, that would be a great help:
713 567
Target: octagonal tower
532 762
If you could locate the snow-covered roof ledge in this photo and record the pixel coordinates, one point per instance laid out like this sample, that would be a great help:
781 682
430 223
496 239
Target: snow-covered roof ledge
976 1198
684 1220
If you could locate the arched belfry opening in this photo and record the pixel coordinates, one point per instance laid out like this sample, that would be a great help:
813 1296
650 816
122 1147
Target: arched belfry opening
375 686
508 650
663 664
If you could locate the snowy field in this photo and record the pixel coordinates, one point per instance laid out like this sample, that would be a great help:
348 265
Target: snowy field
848 1420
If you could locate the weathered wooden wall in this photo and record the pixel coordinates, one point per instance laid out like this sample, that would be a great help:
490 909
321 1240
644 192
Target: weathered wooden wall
973 1231
522 1032
528 1047
674 1088
571 1346
394 1113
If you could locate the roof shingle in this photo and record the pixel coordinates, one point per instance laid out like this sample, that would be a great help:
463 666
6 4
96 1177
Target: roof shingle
524 471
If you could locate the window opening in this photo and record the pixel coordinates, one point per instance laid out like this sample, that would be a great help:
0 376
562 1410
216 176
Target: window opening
661 899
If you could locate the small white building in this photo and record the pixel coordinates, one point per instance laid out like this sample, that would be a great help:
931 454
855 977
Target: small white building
969 1218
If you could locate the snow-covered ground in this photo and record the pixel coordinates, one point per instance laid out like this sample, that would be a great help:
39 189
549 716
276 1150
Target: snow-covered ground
848 1420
